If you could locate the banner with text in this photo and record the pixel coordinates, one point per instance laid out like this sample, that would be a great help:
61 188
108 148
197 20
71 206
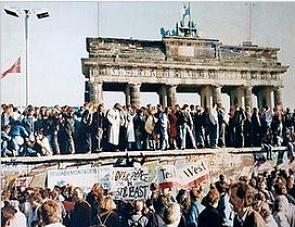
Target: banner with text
167 176
78 177
193 173
130 183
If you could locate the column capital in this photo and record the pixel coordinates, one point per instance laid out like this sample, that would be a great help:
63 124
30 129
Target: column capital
172 85
278 87
134 84
217 85
248 87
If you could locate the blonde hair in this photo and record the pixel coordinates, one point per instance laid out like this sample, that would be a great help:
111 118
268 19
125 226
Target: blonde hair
49 212
138 205
108 199
173 214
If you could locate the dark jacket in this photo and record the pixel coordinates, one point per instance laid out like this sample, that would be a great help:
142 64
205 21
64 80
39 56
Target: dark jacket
98 124
95 206
109 219
210 217
81 216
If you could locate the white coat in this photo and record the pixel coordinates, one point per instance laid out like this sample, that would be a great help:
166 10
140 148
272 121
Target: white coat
130 130
113 117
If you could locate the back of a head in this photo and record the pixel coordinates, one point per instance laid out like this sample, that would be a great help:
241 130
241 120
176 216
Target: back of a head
160 203
173 213
213 196
108 203
185 106
7 213
118 106
244 191
45 193
49 212
223 187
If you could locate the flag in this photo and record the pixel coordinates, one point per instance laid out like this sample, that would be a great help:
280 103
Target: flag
15 68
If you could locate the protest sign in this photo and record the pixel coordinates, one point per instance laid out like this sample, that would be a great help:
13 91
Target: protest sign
130 183
167 176
79 177
192 172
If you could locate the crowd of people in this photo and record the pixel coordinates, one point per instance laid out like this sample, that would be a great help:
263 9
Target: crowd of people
262 200
39 131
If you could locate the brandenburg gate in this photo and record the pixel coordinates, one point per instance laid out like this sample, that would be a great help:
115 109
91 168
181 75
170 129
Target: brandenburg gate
183 62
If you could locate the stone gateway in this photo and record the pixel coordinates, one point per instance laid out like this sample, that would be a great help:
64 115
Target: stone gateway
183 62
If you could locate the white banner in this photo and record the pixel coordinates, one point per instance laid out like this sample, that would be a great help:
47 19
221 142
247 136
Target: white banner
77 177
192 171
130 183
167 176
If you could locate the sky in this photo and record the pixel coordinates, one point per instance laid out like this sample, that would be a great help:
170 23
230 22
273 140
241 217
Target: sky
57 44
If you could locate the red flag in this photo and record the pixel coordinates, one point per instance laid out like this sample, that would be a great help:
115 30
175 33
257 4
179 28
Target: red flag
15 68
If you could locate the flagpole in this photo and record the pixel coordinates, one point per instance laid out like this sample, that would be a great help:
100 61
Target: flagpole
190 19
26 47
27 13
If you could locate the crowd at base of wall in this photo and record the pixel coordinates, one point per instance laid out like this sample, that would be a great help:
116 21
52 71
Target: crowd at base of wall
262 199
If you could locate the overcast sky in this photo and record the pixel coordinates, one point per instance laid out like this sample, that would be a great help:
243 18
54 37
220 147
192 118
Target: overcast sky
57 43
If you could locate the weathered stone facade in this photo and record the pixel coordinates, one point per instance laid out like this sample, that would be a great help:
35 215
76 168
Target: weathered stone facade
179 63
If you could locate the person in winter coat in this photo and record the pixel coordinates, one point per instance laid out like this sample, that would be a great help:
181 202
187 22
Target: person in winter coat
210 216
95 199
137 218
138 128
172 130
241 198
113 119
19 135
263 209
196 207
98 128
281 210
86 122
185 123
7 214
81 215
224 206
6 141
163 127
173 215
69 130
213 126
108 217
